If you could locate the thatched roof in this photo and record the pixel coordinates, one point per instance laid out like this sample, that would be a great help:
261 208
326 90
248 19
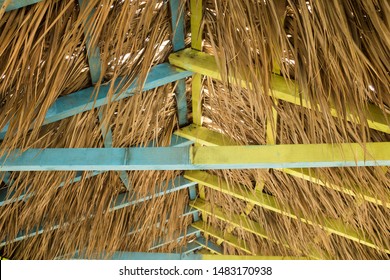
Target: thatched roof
335 57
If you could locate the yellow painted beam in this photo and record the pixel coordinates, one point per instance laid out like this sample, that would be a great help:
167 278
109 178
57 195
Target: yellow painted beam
196 8
196 93
204 136
292 156
310 175
244 223
228 238
270 203
271 127
236 257
206 64
208 245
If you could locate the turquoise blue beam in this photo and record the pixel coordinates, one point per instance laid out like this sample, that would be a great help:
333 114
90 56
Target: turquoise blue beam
17 4
181 101
198 158
93 52
191 247
190 231
7 198
177 22
6 177
187 212
209 245
193 195
103 159
107 140
86 99
125 199
152 256
121 201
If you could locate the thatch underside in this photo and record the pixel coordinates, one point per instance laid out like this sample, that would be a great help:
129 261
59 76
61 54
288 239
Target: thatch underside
338 52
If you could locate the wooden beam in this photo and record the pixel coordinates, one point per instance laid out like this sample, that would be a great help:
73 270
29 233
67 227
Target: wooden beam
197 158
87 99
270 203
228 238
244 223
208 137
17 4
206 64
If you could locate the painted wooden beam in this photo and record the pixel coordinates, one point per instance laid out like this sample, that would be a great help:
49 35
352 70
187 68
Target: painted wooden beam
107 140
195 158
188 211
121 201
270 203
249 257
244 223
122 255
204 136
209 245
291 156
191 248
177 23
191 231
87 99
196 9
17 4
93 52
228 238
6 178
127 199
206 64
6 197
